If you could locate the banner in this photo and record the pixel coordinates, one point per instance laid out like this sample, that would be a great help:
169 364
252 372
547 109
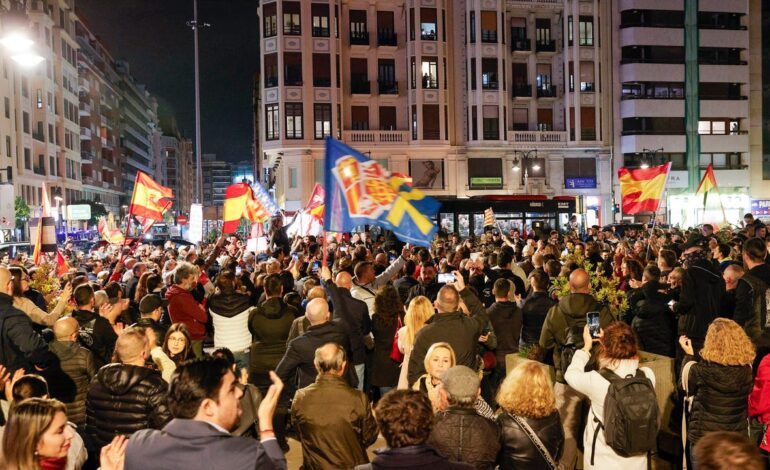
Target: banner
195 232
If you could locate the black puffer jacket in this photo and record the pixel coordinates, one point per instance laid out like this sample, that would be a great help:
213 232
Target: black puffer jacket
653 321
464 436
123 399
534 309
79 367
721 399
518 452
699 300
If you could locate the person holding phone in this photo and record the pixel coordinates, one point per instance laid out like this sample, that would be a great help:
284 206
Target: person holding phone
429 282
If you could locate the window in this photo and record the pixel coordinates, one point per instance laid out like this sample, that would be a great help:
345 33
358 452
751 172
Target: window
491 122
8 146
429 71
294 121
431 128
292 178
386 76
27 159
387 118
579 168
570 31
291 19
474 124
489 79
411 24
270 23
488 26
272 129
586 31
322 118
24 87
292 63
322 71
428 22
543 30
386 31
52 165
414 122
359 116
320 14
472 28
359 34
721 160
412 67
7 108
39 101
25 122
718 127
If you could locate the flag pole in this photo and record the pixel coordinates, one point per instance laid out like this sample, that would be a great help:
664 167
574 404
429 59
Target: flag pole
655 213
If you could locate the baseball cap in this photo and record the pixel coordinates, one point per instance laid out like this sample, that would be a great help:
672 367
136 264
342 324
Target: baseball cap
461 382
151 302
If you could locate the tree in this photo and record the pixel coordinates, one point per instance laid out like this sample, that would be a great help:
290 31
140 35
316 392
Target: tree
22 211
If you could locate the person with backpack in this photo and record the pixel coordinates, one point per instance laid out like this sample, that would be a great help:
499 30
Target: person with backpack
622 425
751 296
563 333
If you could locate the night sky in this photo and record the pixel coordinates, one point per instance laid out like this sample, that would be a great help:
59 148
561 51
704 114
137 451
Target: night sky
153 37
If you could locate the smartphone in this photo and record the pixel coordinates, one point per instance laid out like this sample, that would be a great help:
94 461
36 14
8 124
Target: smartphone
316 266
592 318
238 270
671 304
294 256
445 278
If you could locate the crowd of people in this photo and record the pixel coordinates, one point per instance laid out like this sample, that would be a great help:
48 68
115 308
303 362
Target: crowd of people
504 350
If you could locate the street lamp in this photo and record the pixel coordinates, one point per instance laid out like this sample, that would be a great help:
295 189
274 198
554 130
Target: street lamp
16 40
525 158
646 162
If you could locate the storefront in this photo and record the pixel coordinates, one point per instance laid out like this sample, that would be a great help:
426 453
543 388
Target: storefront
688 210
466 216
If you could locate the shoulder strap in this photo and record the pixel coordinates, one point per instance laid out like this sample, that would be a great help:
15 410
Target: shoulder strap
535 440
609 375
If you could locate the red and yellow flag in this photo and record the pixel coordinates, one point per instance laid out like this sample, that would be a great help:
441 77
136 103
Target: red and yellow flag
316 207
642 189
707 183
110 235
150 200
489 217
240 202
62 266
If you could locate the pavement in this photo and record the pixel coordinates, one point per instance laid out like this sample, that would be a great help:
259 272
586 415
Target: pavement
294 456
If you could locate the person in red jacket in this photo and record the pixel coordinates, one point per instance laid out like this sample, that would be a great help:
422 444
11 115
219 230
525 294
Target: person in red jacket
183 308
759 400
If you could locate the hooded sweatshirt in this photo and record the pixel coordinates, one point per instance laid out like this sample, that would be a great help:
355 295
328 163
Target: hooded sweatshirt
506 319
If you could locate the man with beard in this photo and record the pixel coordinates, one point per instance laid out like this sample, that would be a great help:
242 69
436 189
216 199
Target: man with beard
427 285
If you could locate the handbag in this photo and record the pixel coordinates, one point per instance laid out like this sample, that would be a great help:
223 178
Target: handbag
535 440
396 353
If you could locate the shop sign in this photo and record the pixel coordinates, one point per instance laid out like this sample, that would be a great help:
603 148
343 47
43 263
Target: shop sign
580 183
760 206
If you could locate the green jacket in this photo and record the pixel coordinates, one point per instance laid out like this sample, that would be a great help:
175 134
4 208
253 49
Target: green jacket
573 307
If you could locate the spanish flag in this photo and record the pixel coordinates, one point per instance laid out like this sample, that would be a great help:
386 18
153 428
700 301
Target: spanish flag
707 183
240 202
110 234
150 200
642 189
317 204
62 266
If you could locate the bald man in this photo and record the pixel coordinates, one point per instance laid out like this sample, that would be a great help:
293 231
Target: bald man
77 364
296 368
569 315
126 396
20 346
337 436
353 315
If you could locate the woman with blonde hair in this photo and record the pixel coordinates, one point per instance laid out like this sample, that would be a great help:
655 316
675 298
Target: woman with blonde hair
419 311
719 383
528 406
440 358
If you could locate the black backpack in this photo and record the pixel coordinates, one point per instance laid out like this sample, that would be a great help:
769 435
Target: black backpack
573 340
631 415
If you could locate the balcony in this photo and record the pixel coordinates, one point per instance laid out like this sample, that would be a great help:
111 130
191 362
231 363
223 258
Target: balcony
376 137
545 46
387 38
489 36
429 83
587 87
85 133
674 143
541 138
360 86
322 82
546 92
359 38
85 109
39 170
39 136
320 32
86 156
737 142
521 45
388 87
489 84
292 29
291 79
587 134
521 91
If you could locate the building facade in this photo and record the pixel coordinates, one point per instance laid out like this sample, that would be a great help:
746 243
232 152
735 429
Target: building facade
470 98
217 176
681 95
177 153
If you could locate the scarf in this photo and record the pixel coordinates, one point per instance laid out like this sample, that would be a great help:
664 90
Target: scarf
52 463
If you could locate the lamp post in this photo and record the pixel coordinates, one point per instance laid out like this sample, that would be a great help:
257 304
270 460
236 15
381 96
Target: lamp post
195 25
525 158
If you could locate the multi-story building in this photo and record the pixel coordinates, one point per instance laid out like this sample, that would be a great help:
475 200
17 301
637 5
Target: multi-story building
472 99
217 176
176 153
139 118
243 171
682 79
98 87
